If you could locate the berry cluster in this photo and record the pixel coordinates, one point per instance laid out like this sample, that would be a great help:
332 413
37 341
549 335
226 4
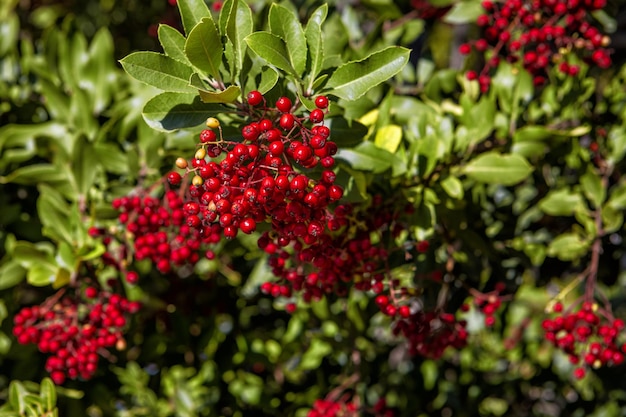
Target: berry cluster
348 253
328 408
236 185
588 336
75 331
488 303
540 34
155 229
430 333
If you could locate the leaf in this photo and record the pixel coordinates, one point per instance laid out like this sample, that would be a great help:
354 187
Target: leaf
568 247
591 184
230 95
353 79
16 396
36 173
312 358
239 25
369 157
54 215
389 137
464 12
191 12
171 111
173 43
532 133
285 24
315 41
561 202
204 48
158 70
85 165
494 168
272 49
11 274
453 187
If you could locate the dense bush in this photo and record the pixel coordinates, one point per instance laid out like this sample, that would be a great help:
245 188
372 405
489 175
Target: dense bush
311 209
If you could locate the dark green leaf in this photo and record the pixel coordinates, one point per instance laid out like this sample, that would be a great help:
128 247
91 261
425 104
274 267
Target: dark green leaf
85 165
285 24
272 49
171 111
159 71
204 48
238 26
34 174
353 79
315 41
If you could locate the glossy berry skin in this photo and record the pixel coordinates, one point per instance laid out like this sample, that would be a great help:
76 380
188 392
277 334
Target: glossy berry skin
283 104
174 178
254 98
316 116
321 102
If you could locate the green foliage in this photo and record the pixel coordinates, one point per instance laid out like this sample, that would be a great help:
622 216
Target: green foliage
519 185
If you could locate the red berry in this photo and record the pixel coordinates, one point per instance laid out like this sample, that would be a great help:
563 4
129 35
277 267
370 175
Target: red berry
283 104
174 178
91 292
316 116
254 98
321 102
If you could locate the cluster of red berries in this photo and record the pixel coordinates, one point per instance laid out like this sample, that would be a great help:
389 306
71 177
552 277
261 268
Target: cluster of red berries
588 336
540 34
430 333
155 229
237 185
488 303
348 253
328 408
75 331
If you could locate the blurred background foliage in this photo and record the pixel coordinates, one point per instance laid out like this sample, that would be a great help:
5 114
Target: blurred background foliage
209 344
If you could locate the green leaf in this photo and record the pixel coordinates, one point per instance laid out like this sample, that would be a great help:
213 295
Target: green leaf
561 202
315 41
368 157
173 43
230 95
16 396
171 111
453 187
532 133
54 215
617 196
464 12
191 12
34 174
285 24
593 188
48 394
353 79
314 355
568 247
85 165
204 48
494 168
272 49
158 70
239 25
11 274
389 137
